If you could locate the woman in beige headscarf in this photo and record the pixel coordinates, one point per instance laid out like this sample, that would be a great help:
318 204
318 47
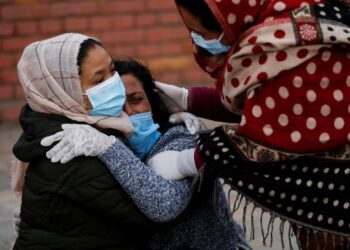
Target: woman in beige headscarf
53 84
78 205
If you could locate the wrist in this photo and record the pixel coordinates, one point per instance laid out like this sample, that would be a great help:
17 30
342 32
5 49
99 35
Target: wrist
107 146
109 142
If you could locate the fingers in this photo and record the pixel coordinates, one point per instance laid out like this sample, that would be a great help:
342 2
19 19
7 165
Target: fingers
192 122
176 118
170 104
57 148
191 126
47 141
202 125
67 157
123 114
163 86
125 125
60 154
194 125
174 98
68 126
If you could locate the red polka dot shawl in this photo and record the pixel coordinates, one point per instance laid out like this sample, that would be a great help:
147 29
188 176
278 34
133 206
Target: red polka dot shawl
287 73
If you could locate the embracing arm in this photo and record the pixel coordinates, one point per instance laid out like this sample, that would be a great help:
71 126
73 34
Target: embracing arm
159 199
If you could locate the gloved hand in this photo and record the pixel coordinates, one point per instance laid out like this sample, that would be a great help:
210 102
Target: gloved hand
76 140
121 123
17 219
174 165
175 98
192 122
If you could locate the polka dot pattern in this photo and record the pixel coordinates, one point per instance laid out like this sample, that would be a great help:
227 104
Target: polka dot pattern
283 92
297 109
257 111
248 19
268 130
300 81
311 68
311 123
311 95
324 82
283 120
279 34
310 192
318 114
280 6
295 136
270 103
231 19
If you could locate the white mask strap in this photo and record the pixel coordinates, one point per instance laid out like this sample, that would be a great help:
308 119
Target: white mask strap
221 36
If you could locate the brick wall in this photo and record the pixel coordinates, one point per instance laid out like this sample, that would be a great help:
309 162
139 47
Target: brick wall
150 30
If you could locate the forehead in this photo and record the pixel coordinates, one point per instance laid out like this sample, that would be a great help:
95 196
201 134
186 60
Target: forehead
132 84
191 21
97 55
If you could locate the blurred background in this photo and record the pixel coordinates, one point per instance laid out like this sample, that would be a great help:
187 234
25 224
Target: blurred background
151 30
148 30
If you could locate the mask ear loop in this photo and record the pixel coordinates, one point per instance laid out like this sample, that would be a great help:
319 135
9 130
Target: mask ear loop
221 36
86 99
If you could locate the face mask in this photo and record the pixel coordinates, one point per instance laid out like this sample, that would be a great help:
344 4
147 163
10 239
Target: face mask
108 97
145 134
213 46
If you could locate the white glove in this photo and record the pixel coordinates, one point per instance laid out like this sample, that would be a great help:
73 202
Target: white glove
121 123
171 95
192 122
17 219
76 140
174 165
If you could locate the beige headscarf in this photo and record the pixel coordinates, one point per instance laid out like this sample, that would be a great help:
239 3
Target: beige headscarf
49 74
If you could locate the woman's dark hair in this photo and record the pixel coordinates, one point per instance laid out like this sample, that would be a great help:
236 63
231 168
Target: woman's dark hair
144 75
201 10
84 49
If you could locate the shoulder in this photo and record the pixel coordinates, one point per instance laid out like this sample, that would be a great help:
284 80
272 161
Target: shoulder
176 138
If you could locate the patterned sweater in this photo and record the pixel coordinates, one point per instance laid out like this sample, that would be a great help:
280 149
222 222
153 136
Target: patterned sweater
208 227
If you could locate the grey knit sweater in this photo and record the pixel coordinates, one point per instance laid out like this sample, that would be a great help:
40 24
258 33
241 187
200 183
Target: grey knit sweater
208 227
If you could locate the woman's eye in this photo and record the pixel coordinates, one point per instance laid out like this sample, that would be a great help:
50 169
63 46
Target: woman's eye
98 82
137 100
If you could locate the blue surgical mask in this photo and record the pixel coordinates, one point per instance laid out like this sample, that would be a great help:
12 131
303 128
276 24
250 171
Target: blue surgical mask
145 134
213 46
108 97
